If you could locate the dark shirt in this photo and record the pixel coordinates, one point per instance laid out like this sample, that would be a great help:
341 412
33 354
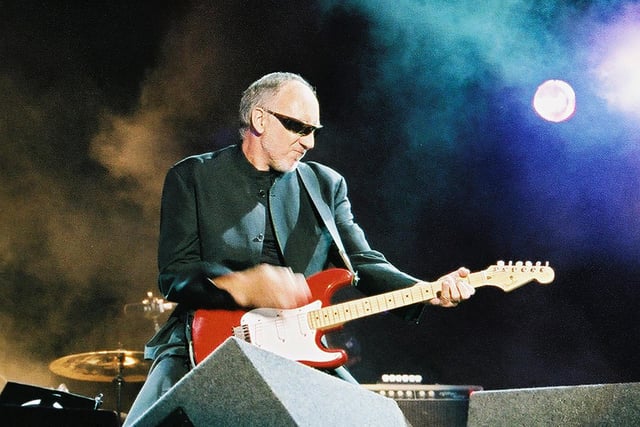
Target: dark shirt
270 251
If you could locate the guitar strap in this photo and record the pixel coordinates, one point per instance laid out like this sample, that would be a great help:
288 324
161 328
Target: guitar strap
310 183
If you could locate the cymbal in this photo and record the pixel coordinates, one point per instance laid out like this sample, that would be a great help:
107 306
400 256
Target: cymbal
103 366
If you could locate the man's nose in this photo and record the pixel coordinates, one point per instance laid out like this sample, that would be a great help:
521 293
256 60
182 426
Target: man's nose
308 142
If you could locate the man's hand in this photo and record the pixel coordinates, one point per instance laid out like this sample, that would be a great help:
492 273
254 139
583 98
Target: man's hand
266 286
454 289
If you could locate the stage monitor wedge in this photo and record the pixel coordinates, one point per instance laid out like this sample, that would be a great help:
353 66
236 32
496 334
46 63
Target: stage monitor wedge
240 384
582 405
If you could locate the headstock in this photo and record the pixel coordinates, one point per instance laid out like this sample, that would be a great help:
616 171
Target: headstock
513 275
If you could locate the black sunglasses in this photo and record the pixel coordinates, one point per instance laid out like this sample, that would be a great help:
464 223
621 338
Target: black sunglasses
294 125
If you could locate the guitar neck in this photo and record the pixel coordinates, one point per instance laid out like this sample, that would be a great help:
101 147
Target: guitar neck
505 276
338 314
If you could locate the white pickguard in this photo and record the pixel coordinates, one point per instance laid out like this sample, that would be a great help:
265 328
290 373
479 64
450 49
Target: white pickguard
286 333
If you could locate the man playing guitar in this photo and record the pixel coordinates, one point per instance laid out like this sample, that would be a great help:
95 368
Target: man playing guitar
241 228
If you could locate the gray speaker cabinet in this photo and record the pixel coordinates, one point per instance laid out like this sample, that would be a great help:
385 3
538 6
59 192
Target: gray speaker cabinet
583 405
241 385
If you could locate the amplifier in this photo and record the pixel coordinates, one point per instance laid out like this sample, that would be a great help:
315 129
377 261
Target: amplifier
429 405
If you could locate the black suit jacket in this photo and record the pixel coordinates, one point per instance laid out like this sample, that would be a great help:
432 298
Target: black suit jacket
213 222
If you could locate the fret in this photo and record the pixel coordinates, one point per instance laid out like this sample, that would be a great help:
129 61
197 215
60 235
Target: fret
366 307
352 309
328 316
349 311
407 298
382 302
390 301
375 304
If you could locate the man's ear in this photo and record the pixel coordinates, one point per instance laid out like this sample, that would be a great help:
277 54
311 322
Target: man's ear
257 120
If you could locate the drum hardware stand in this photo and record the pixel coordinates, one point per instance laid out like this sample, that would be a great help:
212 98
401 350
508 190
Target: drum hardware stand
119 382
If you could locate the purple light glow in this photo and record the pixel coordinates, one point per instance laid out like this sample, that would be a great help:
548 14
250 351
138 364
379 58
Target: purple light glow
616 59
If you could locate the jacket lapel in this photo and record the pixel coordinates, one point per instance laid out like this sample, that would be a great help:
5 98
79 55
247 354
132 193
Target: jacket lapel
284 204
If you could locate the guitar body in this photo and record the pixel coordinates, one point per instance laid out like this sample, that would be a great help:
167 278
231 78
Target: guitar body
283 332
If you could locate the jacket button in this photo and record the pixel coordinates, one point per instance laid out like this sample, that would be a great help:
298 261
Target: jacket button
262 193
259 238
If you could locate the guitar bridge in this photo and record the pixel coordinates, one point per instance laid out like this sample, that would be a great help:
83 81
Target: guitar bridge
242 332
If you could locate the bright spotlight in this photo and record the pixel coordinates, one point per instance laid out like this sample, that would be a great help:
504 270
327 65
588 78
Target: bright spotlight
554 101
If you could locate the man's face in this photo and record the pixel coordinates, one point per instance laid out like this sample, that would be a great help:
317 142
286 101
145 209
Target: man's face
283 148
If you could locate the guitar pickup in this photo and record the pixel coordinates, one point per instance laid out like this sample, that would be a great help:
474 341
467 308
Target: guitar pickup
242 332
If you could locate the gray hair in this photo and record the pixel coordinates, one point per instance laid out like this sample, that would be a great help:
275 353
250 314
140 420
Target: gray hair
261 91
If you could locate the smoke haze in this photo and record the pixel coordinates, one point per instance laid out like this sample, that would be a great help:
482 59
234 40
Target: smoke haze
426 106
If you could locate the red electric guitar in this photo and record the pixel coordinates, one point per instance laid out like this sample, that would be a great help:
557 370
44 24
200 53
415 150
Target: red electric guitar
296 333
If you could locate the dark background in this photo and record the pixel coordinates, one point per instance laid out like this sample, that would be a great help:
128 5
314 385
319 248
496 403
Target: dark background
427 113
